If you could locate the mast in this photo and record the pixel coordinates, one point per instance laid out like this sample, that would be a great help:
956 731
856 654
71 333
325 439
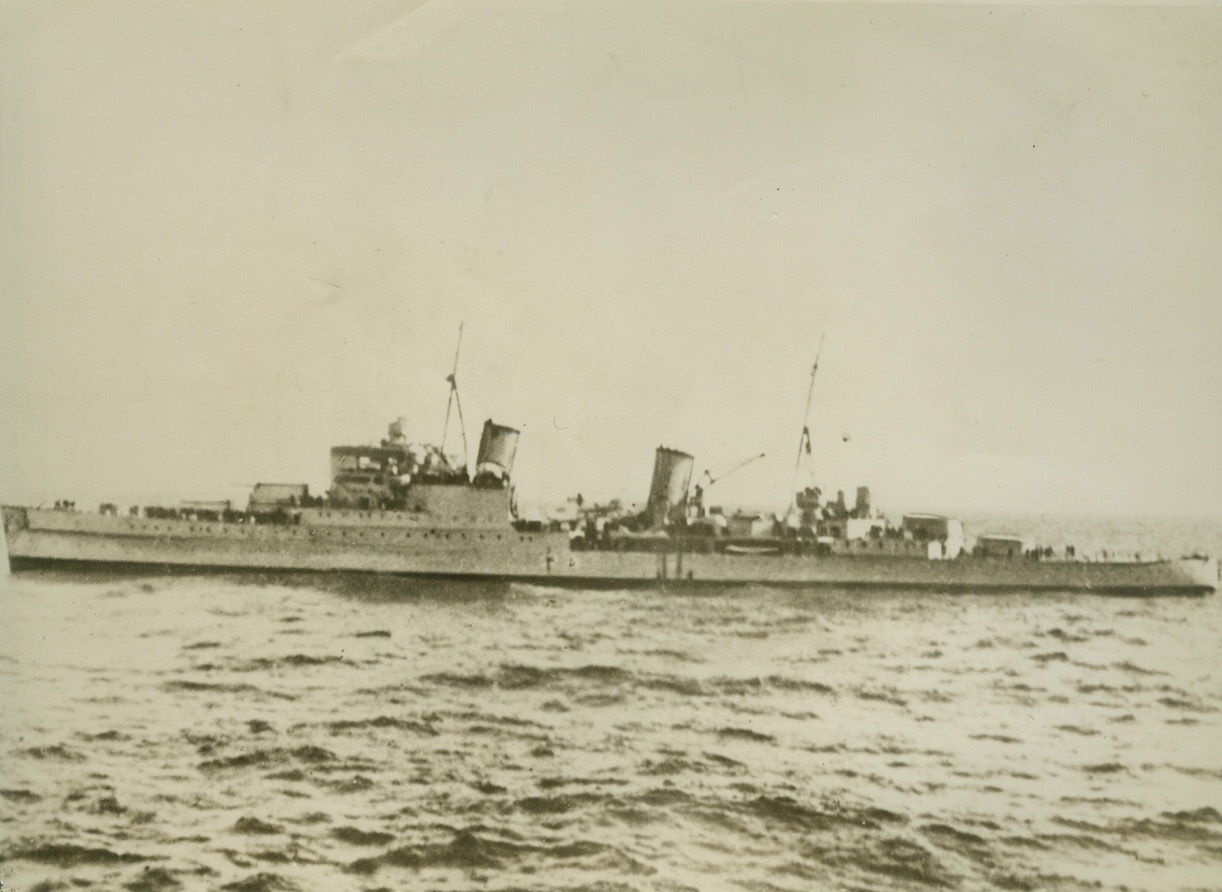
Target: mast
454 401
804 439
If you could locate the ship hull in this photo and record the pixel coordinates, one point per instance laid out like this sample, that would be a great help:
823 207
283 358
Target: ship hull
383 543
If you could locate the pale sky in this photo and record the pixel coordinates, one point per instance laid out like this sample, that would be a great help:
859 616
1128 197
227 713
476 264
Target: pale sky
233 234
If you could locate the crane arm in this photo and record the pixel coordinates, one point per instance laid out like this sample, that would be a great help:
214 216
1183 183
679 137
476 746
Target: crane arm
723 474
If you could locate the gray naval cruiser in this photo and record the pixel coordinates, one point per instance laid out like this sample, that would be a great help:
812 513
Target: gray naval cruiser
408 509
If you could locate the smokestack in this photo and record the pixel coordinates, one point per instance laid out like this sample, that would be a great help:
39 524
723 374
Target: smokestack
497 447
672 473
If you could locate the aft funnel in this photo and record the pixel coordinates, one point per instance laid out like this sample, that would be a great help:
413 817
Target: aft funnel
672 473
497 446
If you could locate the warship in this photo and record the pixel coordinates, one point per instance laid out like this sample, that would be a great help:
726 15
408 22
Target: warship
410 509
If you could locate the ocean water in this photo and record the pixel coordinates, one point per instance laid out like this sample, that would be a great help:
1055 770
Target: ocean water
306 733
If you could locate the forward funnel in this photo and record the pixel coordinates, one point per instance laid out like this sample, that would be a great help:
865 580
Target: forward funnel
497 447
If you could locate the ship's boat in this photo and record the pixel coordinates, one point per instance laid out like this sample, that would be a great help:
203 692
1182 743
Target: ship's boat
412 509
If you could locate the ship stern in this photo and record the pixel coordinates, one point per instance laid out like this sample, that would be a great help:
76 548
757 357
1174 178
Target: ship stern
15 520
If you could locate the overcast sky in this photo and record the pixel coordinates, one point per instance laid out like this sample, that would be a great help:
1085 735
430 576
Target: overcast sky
233 234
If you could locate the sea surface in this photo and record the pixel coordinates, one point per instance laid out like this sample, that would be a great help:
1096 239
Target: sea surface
348 733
